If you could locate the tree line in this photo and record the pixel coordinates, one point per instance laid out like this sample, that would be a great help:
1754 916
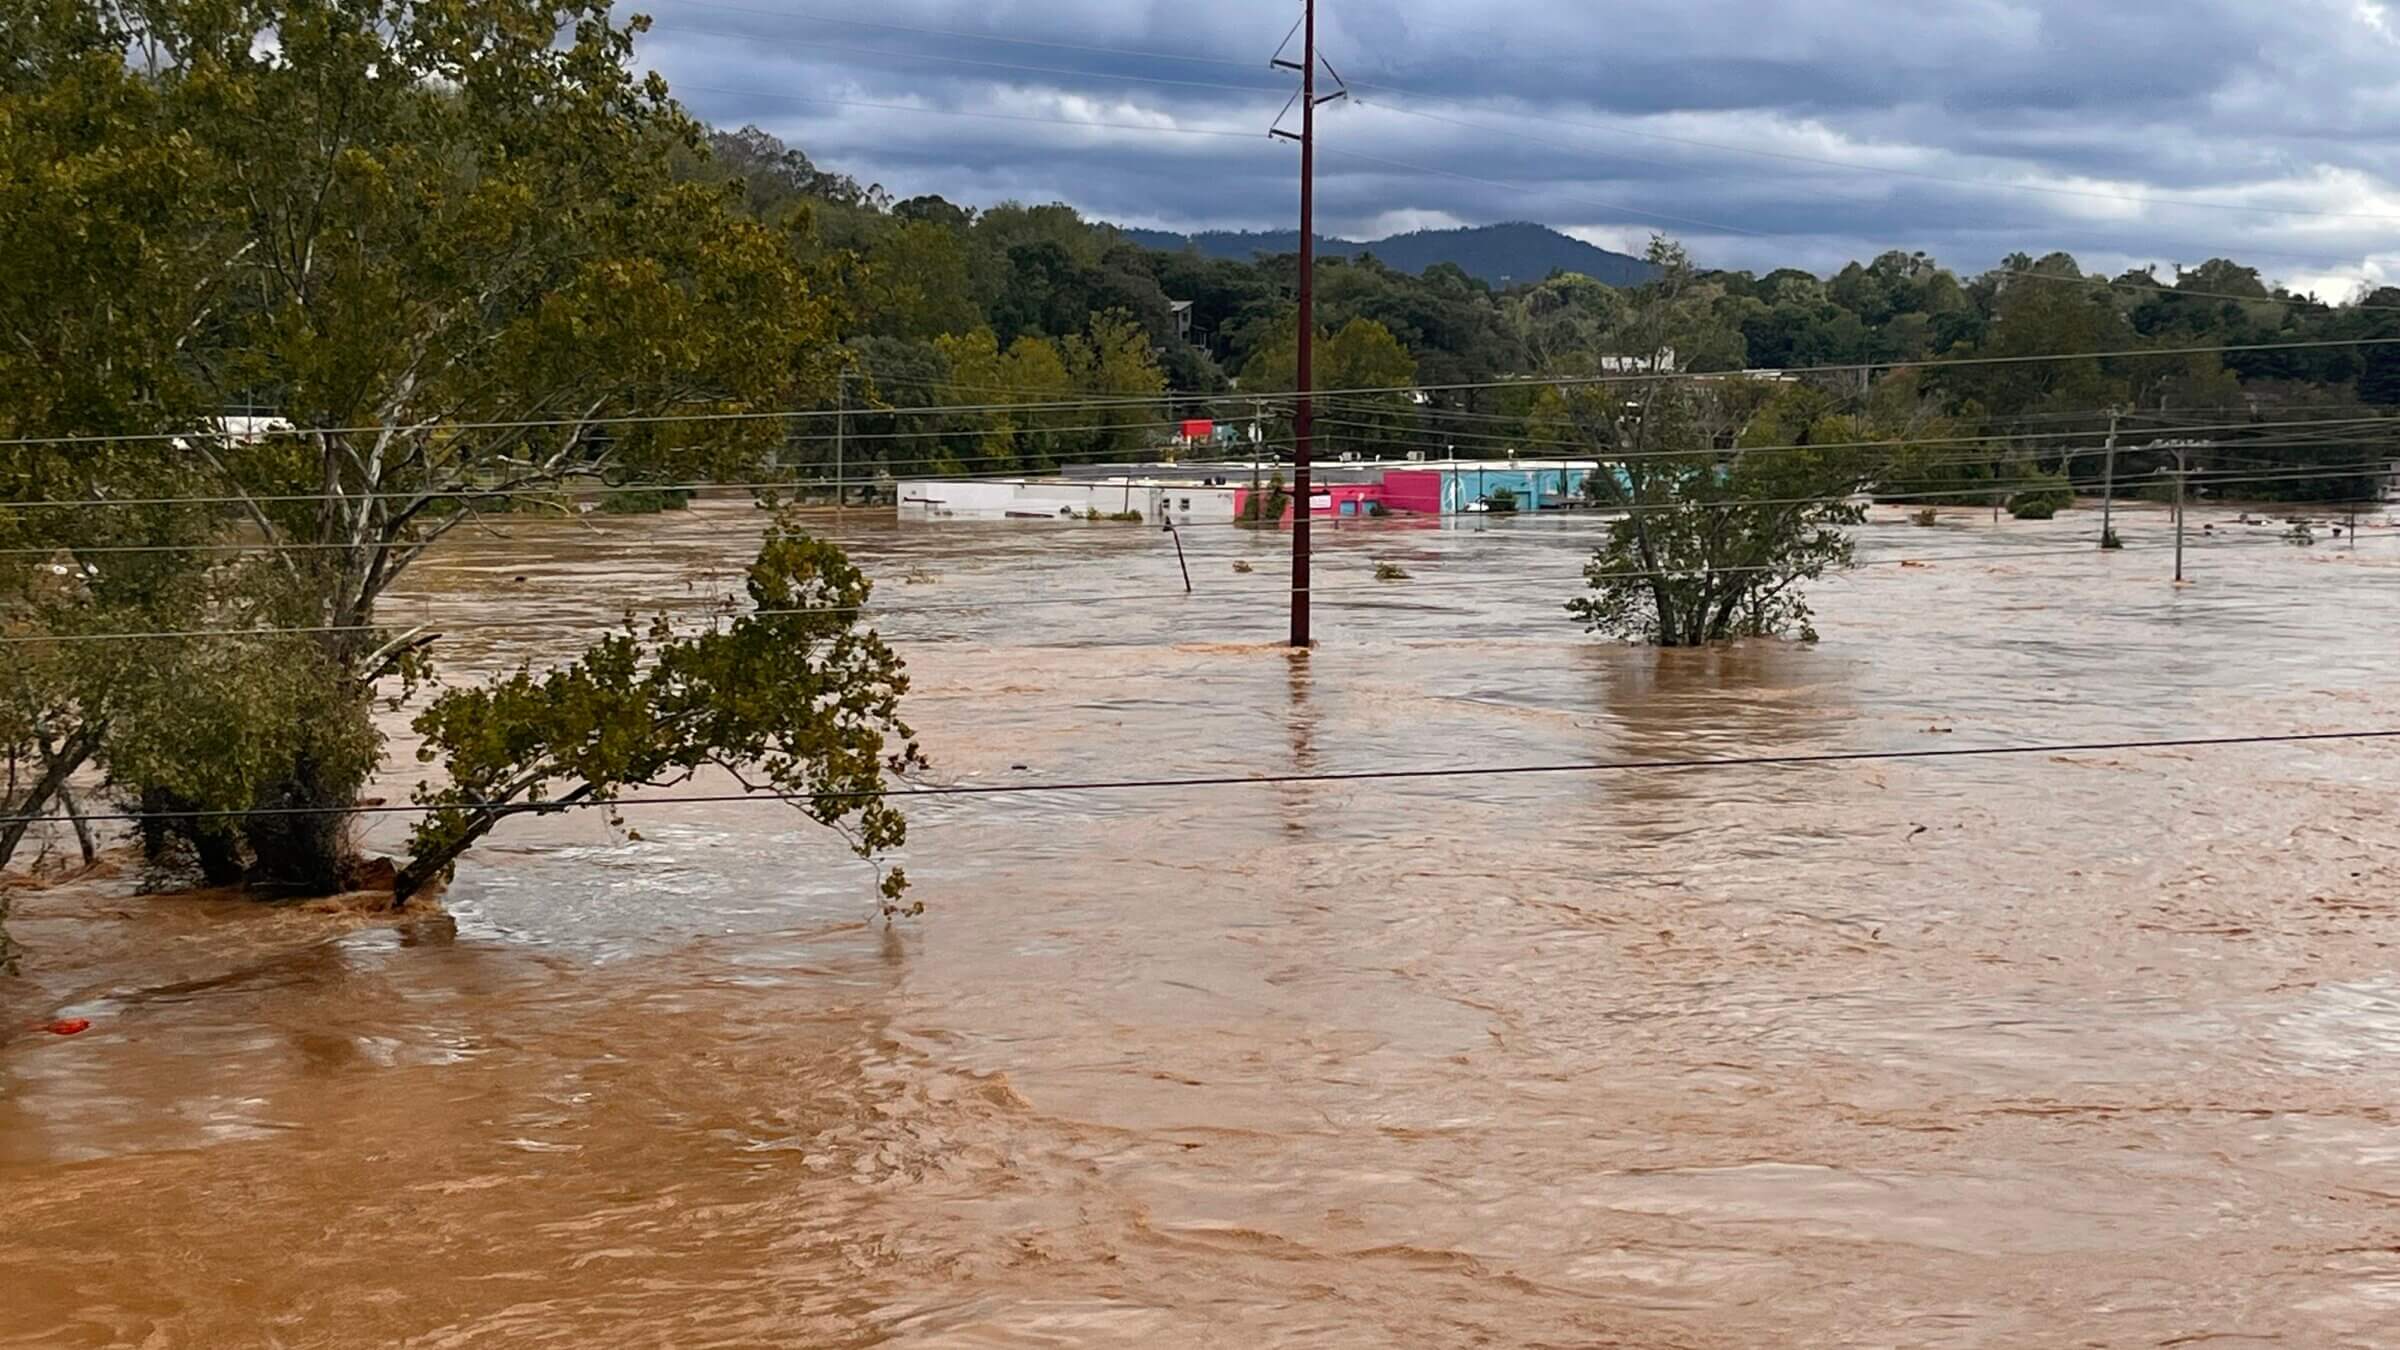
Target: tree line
941 286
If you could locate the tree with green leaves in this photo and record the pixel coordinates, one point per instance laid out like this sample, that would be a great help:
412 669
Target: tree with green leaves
1364 358
453 240
792 697
1729 493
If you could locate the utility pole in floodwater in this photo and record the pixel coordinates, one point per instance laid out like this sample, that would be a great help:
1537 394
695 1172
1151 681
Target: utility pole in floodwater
1304 409
2183 471
841 429
2108 491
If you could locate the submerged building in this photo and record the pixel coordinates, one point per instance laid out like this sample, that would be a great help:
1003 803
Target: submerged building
1220 492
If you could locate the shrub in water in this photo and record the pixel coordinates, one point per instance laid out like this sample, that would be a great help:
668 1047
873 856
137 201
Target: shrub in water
2042 498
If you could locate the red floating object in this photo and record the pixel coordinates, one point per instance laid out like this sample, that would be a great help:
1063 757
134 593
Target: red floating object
68 1026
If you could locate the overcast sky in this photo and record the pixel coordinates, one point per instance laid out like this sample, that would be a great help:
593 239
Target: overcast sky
1763 133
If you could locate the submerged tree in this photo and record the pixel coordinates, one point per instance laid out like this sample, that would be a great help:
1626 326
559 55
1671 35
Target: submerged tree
1731 492
793 697
449 239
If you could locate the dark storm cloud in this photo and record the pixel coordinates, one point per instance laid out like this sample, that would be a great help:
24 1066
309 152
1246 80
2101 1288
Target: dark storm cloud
1752 128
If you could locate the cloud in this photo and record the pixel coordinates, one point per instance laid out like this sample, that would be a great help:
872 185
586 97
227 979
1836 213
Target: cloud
1764 134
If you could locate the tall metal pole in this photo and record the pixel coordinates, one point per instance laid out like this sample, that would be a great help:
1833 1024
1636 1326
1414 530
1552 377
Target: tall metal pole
1305 412
2108 493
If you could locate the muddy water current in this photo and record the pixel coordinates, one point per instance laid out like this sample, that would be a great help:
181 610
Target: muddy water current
2092 1049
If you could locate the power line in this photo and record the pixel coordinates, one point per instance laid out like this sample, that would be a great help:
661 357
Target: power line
1513 382
2027 274
980 116
839 49
1271 779
1856 167
891 474
1820 161
715 610
958 33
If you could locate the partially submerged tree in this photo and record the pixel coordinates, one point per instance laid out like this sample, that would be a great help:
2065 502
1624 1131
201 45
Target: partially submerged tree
794 697
449 239
1731 492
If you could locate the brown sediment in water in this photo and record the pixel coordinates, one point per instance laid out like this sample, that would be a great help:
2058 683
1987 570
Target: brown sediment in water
2026 1051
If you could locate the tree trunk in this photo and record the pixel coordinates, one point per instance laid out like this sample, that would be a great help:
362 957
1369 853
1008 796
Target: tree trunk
435 864
166 817
298 845
56 768
83 828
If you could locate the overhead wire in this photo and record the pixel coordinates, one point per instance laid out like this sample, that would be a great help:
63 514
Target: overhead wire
1819 161
721 609
1512 382
931 472
1196 782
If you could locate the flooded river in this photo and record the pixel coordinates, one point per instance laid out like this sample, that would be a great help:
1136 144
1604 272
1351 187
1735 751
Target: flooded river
2095 1049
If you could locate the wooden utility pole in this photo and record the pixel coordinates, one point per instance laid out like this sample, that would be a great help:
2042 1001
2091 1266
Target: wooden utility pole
2183 471
841 430
1304 408
2108 492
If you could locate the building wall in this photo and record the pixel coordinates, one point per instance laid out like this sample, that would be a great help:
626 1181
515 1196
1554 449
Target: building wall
1451 488
1332 499
1038 499
1416 491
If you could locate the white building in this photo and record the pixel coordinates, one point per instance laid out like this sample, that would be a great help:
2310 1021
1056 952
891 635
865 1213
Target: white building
1055 499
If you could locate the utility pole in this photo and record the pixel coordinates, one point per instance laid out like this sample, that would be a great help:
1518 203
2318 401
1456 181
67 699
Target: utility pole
1304 408
2108 492
2183 471
841 420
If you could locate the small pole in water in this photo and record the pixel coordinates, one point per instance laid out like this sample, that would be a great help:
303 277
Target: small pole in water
2108 492
2182 471
1179 561
841 420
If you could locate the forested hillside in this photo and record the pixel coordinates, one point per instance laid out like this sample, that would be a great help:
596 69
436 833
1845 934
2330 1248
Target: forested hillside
961 305
1518 251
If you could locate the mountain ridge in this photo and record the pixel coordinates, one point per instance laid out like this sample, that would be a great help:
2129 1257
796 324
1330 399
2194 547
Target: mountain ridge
1514 252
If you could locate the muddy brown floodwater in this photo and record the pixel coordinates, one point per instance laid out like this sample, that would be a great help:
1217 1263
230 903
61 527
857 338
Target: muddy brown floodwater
2100 1049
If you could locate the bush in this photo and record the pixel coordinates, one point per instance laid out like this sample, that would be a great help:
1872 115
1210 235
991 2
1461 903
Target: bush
1385 571
2041 498
1127 518
1241 566
1378 509
1266 507
1502 500
2109 539
1924 516
643 501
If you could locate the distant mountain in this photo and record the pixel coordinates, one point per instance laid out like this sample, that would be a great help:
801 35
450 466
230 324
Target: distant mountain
1517 253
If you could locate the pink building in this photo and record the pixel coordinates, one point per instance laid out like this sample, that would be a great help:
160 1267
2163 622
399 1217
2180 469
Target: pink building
1416 491
1331 499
